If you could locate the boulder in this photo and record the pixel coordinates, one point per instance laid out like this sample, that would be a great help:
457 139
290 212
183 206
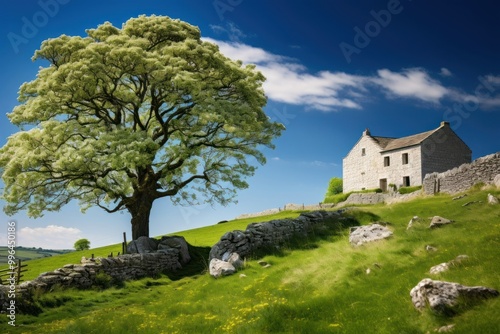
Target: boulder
430 248
362 234
496 181
142 245
442 267
437 221
235 259
442 297
220 268
492 199
179 243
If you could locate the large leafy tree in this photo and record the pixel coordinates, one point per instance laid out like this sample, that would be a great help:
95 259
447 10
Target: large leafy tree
123 117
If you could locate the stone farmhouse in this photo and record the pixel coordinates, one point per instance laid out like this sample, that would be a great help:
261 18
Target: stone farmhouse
377 162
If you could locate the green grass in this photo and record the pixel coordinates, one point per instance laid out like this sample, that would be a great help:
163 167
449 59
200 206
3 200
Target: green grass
319 287
337 198
24 253
407 190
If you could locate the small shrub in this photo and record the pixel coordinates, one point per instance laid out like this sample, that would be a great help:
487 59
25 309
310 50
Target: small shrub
335 186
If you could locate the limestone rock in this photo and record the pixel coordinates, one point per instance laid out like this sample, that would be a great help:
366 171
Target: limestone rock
220 268
362 234
412 221
236 261
496 181
177 242
445 329
439 221
430 248
442 267
142 245
492 199
442 296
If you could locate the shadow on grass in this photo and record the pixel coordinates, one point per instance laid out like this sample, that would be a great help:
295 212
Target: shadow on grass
328 230
197 266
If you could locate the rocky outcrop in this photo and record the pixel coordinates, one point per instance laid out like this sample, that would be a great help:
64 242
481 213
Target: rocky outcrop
274 233
438 221
369 233
444 297
167 244
492 199
496 181
442 267
227 266
459 179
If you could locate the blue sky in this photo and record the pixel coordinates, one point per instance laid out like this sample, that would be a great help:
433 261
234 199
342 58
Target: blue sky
334 68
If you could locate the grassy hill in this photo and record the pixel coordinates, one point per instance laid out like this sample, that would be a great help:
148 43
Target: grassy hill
27 253
319 286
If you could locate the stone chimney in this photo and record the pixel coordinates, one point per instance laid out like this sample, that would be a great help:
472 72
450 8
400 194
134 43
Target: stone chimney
366 132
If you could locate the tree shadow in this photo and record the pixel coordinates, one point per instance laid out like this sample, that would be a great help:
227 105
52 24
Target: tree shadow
328 230
198 264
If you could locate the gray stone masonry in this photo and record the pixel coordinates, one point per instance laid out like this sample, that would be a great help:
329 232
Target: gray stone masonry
270 234
123 267
461 178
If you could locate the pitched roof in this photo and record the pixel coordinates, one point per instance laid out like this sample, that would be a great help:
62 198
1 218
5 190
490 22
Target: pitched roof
389 144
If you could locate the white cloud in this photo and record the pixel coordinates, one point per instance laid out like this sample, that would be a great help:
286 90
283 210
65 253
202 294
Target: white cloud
319 164
50 237
445 72
411 83
306 163
290 82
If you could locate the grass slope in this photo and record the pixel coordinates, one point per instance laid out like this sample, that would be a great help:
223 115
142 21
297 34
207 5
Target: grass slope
26 254
320 287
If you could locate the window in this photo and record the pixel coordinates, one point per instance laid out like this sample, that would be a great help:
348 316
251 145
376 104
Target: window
406 181
405 158
387 161
363 152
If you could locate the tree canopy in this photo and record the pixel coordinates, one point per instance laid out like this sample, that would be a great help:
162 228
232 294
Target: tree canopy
335 186
123 117
81 244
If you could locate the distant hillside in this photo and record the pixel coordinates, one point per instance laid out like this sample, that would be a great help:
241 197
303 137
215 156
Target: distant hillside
31 253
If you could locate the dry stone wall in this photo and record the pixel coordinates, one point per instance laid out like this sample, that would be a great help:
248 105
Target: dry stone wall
85 275
461 178
271 234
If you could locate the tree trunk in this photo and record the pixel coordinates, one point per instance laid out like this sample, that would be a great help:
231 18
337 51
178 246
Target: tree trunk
140 210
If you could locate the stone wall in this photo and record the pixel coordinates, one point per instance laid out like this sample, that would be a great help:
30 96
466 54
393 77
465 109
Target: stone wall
85 275
273 233
287 207
462 178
